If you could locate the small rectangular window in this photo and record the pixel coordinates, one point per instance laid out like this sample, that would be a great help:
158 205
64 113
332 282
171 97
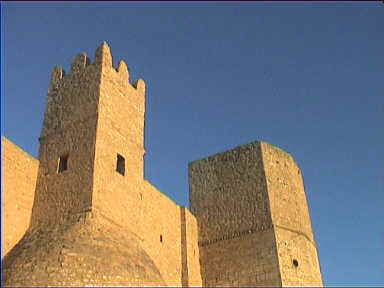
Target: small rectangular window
63 163
120 164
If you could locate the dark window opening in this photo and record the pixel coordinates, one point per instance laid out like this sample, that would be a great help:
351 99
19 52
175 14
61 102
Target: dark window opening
63 163
120 164
161 238
295 263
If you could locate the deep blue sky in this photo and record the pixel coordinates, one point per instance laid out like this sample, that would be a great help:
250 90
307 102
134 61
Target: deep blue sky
307 77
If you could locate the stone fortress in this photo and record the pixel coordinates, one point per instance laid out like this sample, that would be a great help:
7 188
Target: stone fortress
82 214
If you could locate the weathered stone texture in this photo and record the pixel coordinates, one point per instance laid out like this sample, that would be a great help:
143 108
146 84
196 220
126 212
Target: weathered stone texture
291 219
247 260
228 193
94 114
18 187
129 199
252 212
96 224
190 250
69 128
89 250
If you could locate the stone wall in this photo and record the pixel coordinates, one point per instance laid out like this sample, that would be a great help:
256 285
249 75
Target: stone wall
89 251
298 259
228 193
249 226
190 250
253 219
249 260
229 198
128 199
69 130
93 116
18 187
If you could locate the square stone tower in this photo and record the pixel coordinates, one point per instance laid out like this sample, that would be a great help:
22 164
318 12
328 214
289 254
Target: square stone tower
85 131
95 220
253 219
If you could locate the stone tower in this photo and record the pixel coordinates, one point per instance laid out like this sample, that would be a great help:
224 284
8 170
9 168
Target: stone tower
85 130
253 219
95 219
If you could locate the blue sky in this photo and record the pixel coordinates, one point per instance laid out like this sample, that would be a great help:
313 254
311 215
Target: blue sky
307 77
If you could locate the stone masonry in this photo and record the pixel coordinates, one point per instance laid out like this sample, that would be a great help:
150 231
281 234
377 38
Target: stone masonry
19 176
95 220
253 219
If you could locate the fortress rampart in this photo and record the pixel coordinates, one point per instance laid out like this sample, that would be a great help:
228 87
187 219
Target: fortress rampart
95 220
19 172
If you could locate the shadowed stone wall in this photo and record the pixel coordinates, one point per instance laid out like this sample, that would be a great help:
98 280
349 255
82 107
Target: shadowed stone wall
229 198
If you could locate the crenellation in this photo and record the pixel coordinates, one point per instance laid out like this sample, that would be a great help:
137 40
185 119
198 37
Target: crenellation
103 56
57 74
140 87
79 63
123 71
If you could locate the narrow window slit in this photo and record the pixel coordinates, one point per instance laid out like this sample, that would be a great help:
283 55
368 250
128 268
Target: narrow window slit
295 263
63 163
120 164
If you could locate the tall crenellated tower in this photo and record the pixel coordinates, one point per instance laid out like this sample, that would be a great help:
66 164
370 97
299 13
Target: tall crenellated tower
95 219
94 120
253 219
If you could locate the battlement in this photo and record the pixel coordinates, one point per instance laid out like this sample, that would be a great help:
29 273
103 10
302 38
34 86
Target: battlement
82 65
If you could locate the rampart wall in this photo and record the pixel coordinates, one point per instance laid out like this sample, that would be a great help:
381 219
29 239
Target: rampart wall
18 188
249 223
